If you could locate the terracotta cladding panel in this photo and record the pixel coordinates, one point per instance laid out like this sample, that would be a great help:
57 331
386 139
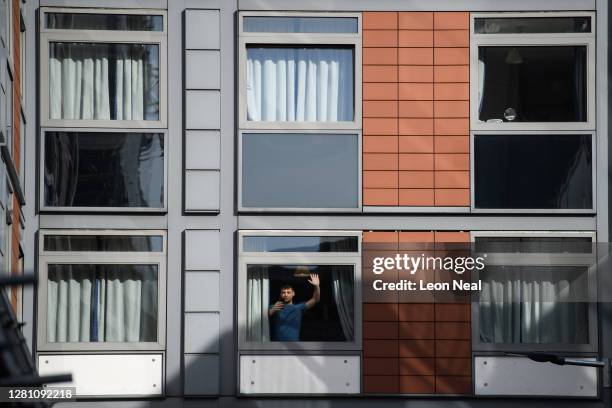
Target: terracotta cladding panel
452 144
380 366
415 91
380 330
453 385
379 73
380 56
420 20
416 348
379 384
379 161
452 236
451 91
451 330
415 236
416 109
452 56
380 179
417 312
414 384
453 366
415 56
452 109
451 73
416 144
416 179
452 179
381 91
415 38
380 144
379 196
416 73
451 21
379 38
416 161
375 20
452 197
416 330
452 348
380 311
380 348
417 366
380 109
451 38
380 126
416 197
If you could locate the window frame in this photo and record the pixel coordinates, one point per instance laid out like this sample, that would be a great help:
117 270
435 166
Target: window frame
41 173
159 38
297 258
538 259
540 39
100 257
356 209
297 39
542 133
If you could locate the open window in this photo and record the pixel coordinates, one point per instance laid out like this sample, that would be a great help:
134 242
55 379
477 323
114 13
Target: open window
533 71
299 290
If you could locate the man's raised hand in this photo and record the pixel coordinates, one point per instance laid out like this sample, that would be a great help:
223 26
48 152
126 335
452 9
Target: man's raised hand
314 279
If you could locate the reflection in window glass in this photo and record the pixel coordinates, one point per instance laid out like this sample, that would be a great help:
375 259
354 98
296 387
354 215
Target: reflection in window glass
94 21
533 171
299 244
534 304
544 245
331 319
266 24
299 84
532 84
532 25
102 303
103 243
103 81
318 170
95 169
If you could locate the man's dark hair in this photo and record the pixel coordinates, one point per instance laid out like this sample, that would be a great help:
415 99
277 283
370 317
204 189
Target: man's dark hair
286 286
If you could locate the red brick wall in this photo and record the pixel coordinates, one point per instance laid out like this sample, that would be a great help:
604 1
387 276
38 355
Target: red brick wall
416 109
416 348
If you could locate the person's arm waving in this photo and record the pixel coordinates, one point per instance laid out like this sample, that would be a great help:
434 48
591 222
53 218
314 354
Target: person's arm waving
316 296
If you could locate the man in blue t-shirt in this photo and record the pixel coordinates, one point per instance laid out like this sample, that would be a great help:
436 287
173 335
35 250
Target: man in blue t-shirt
286 317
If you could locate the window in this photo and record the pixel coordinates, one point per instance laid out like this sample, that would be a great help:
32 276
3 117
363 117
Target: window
103 112
318 170
89 170
535 172
104 70
101 290
533 71
300 97
538 292
299 290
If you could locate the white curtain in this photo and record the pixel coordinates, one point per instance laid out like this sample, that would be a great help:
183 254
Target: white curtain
90 303
80 76
543 308
296 85
342 284
258 297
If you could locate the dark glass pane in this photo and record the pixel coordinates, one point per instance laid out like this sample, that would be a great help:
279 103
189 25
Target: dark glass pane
533 171
96 169
300 24
533 84
102 303
331 319
102 243
534 305
91 21
532 25
549 245
103 81
318 170
300 244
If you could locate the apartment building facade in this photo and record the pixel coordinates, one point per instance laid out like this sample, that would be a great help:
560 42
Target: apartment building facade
193 157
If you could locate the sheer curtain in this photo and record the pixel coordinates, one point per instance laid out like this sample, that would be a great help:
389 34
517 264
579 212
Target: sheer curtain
103 81
542 308
258 297
296 85
342 284
102 303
